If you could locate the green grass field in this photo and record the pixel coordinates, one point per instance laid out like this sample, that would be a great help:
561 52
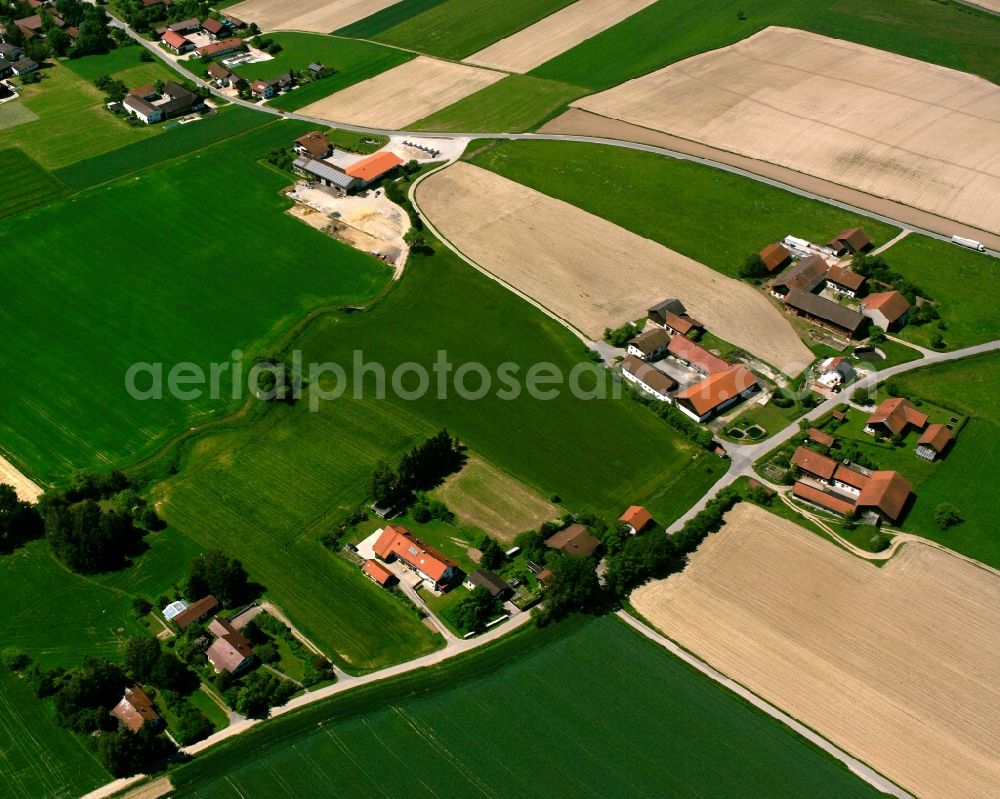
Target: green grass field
945 33
38 757
712 216
122 64
354 61
185 262
590 708
24 184
512 105
458 28
387 18
72 122
954 277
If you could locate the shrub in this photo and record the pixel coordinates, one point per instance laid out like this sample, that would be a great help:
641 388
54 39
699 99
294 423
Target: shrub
947 516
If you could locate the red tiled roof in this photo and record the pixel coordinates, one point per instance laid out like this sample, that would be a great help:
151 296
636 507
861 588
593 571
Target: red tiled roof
399 541
896 413
845 277
851 477
774 255
814 463
232 43
824 500
696 355
315 143
936 436
374 166
229 649
824 439
708 394
887 491
135 708
891 304
574 540
636 516
682 324
379 573
659 381
175 40
855 236
195 611
650 341
213 26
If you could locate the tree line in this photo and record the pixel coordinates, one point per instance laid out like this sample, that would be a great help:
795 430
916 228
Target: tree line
420 469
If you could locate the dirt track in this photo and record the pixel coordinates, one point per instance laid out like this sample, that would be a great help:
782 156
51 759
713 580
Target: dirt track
884 124
12 476
591 272
318 16
404 94
555 34
896 665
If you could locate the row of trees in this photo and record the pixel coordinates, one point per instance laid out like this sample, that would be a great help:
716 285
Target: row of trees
420 469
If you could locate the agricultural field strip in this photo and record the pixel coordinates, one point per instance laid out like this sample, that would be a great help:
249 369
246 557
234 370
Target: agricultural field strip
589 271
884 124
547 38
915 694
306 15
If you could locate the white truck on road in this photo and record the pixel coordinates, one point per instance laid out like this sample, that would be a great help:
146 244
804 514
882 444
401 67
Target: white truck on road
972 244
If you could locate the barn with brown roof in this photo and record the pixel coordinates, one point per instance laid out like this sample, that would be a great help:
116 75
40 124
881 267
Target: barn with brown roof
887 309
934 441
650 344
825 312
885 495
774 256
844 281
807 274
574 540
822 499
893 417
815 464
648 377
852 240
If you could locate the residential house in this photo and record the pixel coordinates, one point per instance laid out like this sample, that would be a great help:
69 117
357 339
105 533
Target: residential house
10 51
176 43
836 372
266 89
574 540
185 26
887 309
695 356
30 27
885 496
819 437
824 500
313 144
481 578
934 441
715 393
374 167
636 518
648 377
816 465
775 256
220 75
221 47
378 573
214 28
650 345
24 66
230 651
151 105
807 275
893 417
195 612
327 175
135 709
852 240
398 543
844 281
824 312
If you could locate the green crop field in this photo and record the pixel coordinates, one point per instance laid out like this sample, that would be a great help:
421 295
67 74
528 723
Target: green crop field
72 122
458 28
287 476
387 18
38 757
710 215
514 104
24 184
591 708
354 61
122 64
186 262
947 33
954 277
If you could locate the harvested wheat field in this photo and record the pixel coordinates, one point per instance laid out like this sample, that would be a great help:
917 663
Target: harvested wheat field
881 123
403 95
316 16
591 272
493 501
555 34
897 665
25 489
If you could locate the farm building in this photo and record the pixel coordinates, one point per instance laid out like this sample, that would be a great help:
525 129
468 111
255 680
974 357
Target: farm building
695 356
716 393
221 47
850 479
398 543
176 43
574 540
819 437
835 372
934 441
378 573
214 28
374 167
230 651
196 612
844 281
852 240
326 175
648 377
481 578
893 417
313 144
824 312
135 709
636 518
815 464
885 495
807 275
887 309
775 256
649 345
673 317
191 25
658 313
819 498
